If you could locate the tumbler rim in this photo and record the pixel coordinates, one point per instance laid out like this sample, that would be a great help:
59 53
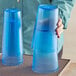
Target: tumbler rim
12 10
48 7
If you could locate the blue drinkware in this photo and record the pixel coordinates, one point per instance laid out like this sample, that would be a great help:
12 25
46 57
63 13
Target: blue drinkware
12 53
45 59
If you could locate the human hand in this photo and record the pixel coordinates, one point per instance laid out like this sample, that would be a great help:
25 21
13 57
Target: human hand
59 29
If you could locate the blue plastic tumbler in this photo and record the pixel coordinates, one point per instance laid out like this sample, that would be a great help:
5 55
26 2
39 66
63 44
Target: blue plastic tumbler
45 59
12 53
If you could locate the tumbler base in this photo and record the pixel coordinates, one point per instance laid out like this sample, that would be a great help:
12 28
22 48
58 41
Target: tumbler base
45 72
12 61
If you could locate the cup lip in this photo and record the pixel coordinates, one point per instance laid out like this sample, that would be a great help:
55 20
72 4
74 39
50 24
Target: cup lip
48 7
12 10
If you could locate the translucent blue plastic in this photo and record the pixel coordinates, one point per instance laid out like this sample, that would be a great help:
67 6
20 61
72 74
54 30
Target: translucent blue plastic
44 44
12 53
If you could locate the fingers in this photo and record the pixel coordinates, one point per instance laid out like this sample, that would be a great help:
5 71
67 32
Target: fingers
59 22
59 29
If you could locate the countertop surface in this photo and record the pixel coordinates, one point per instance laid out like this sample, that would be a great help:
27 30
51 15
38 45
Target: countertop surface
25 69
